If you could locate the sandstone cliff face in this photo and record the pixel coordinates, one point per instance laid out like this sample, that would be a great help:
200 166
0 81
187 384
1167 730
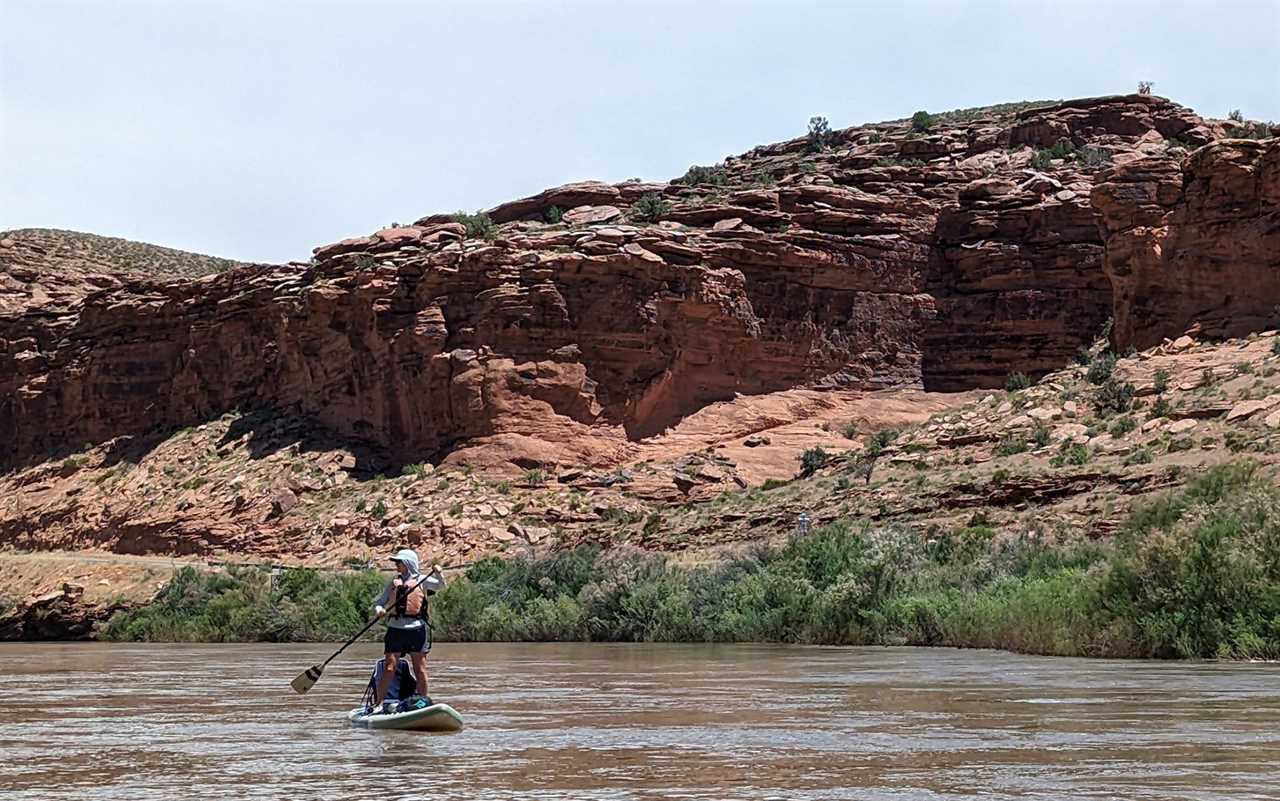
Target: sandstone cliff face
889 258
1194 245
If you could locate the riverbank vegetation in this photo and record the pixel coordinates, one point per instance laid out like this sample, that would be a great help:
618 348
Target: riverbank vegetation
1194 573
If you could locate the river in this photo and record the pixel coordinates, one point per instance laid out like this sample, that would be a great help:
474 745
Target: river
577 721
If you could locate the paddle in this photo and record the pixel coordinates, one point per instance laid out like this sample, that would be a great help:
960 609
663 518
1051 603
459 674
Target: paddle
307 679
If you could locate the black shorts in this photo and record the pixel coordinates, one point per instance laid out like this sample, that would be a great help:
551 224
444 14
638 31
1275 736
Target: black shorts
405 641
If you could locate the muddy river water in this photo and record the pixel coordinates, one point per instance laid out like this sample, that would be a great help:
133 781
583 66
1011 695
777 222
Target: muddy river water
556 721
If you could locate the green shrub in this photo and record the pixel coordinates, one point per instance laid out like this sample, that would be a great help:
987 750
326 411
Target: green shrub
773 483
379 510
921 122
246 605
1101 367
1192 573
1041 435
1237 441
716 175
649 208
1113 397
1043 158
1122 425
1197 573
478 225
1140 456
820 135
1244 368
553 215
877 442
1011 444
1072 453
1017 381
535 476
1180 444
812 460
1160 408
652 523
1160 381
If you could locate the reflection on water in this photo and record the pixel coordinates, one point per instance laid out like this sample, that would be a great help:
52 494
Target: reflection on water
544 721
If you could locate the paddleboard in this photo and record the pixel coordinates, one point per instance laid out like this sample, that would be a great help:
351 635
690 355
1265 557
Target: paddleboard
437 717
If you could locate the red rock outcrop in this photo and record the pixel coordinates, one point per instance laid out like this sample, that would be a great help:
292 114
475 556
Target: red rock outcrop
1018 279
61 614
1194 244
888 258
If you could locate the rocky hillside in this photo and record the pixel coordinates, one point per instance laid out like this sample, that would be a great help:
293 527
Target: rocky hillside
1064 458
634 362
43 265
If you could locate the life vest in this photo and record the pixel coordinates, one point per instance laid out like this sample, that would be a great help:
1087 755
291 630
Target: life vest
411 599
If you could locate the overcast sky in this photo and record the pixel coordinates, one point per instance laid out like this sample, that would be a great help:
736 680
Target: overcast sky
258 130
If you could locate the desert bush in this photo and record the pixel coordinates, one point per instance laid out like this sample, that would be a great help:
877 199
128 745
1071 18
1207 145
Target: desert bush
1197 573
1101 367
1140 456
1113 397
880 440
716 175
478 225
1011 444
921 122
649 208
1017 381
1071 453
1041 435
1160 381
820 135
1192 573
812 460
1122 425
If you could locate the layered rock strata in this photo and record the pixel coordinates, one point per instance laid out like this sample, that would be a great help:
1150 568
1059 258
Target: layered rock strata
887 257
1196 245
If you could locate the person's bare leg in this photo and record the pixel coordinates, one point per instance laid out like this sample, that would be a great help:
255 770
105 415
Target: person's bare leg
420 672
388 672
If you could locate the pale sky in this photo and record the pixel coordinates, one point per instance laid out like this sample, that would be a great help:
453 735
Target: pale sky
259 129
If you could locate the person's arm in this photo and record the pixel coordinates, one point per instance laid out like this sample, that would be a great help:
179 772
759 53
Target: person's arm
435 582
380 605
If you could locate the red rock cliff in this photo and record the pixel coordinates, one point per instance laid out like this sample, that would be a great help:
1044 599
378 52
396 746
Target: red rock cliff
1197 243
888 257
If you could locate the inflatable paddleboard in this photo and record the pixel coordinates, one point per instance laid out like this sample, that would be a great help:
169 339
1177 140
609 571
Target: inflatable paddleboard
437 717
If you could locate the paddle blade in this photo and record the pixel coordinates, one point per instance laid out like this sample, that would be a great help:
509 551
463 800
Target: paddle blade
307 679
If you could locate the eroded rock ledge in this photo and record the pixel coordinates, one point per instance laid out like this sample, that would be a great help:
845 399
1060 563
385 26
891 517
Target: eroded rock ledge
891 258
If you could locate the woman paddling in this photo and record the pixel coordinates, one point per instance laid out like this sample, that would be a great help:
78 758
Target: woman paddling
405 601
